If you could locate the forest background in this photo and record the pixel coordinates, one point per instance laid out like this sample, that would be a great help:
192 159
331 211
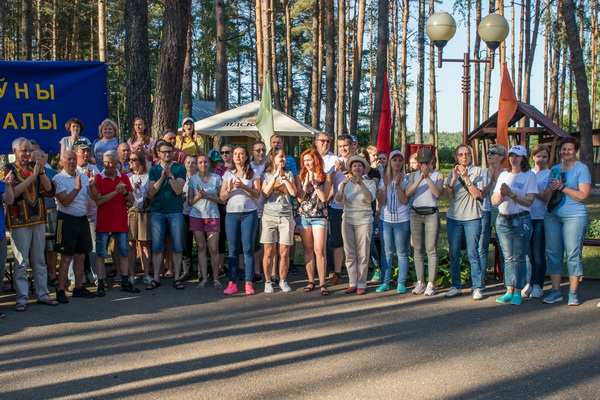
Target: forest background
327 59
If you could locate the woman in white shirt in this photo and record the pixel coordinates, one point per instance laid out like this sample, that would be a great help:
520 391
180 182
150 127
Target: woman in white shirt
140 232
395 223
203 197
240 188
356 194
536 256
514 193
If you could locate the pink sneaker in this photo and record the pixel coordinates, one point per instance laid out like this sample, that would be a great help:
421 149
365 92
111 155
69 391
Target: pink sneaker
249 288
231 288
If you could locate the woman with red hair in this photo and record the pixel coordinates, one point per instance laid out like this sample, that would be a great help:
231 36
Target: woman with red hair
313 189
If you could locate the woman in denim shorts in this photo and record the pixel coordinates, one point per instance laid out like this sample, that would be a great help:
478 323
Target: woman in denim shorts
313 188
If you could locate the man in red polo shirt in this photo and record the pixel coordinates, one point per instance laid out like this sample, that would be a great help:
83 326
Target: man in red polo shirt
112 190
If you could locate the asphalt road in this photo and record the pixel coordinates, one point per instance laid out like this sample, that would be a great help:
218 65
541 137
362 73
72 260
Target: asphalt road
199 344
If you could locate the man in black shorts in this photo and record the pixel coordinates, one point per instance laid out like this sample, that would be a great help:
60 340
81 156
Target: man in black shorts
73 237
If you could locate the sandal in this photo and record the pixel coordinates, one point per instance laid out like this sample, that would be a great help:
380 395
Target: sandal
325 291
48 302
21 307
153 285
178 285
217 284
309 287
202 284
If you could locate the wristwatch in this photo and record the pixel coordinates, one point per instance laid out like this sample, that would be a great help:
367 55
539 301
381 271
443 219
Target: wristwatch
469 184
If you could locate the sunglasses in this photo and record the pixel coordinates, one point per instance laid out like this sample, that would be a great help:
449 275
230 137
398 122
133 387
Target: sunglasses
324 140
344 137
133 159
226 152
463 155
492 153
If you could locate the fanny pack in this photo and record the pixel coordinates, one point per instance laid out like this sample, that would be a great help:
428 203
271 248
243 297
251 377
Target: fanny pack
425 210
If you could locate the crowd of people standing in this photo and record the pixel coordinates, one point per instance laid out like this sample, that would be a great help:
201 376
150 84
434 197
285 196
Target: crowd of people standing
151 199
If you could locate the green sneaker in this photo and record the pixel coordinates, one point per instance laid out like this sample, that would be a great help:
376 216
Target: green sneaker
376 275
506 299
401 288
384 287
516 299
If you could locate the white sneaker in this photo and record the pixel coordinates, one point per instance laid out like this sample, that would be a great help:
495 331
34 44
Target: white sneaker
477 294
453 292
284 286
147 279
269 287
419 288
430 290
598 305
537 292
526 291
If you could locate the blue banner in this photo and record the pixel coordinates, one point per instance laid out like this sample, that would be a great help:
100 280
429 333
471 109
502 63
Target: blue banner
38 97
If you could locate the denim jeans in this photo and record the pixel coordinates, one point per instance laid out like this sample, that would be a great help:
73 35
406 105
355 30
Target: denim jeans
160 222
536 256
471 230
395 235
374 254
514 234
241 230
484 239
565 235
425 232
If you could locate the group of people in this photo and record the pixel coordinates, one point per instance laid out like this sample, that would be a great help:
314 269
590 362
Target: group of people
157 197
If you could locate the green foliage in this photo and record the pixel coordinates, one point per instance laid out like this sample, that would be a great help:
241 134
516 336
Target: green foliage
593 231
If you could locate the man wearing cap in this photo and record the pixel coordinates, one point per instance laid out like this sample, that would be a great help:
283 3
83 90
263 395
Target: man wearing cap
73 237
215 158
187 141
336 209
83 151
323 144
171 137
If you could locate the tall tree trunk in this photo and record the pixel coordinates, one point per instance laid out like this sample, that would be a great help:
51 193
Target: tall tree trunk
382 53
402 129
420 74
38 30
477 69
357 67
371 57
432 91
260 56
54 50
75 31
552 109
594 58
25 48
316 66
102 31
487 82
171 58
137 62
330 67
274 74
221 89
187 101
393 57
289 97
583 100
530 55
341 70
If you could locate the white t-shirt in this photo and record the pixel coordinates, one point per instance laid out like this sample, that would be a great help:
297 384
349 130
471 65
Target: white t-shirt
260 203
92 207
329 162
204 208
66 183
240 201
422 196
393 211
139 194
338 177
539 208
521 184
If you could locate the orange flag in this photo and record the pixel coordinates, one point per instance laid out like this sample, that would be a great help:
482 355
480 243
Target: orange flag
507 106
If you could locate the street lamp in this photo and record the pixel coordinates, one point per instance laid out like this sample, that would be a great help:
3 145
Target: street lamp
493 29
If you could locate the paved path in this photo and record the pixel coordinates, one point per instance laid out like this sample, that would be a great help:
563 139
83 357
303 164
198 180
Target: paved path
199 344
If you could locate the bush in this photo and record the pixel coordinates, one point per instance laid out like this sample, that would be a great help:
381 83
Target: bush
593 231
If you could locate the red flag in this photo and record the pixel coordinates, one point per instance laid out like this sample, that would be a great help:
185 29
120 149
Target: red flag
507 106
385 120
